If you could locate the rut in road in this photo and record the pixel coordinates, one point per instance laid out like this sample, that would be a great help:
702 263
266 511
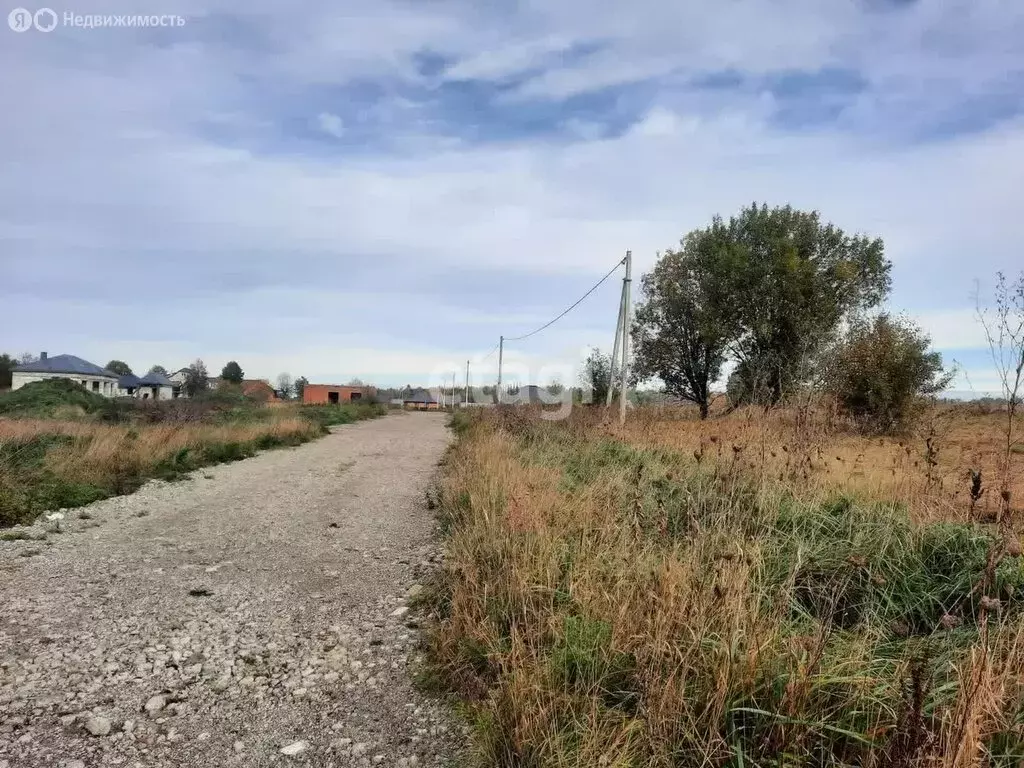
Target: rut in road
215 621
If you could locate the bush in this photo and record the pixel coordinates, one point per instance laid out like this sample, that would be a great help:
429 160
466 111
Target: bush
882 371
43 398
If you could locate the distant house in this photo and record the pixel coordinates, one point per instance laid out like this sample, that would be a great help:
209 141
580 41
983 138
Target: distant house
420 400
152 386
155 386
321 394
89 375
178 379
128 385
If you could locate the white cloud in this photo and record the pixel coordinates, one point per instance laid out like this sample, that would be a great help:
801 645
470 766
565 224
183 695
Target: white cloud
331 124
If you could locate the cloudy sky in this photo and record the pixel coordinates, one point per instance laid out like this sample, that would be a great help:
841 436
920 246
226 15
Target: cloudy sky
380 189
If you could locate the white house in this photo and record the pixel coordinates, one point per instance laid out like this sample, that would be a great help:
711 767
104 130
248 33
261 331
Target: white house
91 376
152 386
178 379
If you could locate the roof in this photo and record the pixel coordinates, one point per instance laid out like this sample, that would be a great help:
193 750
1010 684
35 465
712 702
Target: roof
152 379
64 364
419 396
128 381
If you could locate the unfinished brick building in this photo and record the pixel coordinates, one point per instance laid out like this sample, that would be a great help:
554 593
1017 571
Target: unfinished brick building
322 394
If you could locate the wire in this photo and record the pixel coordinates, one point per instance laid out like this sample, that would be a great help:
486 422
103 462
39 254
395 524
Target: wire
570 309
491 352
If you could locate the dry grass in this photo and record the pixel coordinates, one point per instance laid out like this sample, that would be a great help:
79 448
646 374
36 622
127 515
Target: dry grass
815 452
46 463
614 603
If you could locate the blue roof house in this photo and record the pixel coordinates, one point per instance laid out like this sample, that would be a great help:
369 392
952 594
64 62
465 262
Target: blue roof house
152 386
91 376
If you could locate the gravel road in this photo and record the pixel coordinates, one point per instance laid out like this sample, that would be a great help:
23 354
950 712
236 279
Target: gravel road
254 614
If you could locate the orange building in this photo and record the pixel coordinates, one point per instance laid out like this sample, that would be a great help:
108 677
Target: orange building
321 394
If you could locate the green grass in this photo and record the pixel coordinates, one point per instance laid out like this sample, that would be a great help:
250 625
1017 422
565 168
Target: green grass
331 415
41 399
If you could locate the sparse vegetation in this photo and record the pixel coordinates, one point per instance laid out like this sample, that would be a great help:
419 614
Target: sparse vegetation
611 597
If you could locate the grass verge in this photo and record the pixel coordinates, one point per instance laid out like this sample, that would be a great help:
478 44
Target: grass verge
51 463
603 604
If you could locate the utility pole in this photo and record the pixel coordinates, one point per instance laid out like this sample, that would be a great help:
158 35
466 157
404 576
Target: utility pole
501 352
467 382
616 346
626 318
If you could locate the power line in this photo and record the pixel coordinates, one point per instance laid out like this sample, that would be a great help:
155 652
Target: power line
495 349
570 309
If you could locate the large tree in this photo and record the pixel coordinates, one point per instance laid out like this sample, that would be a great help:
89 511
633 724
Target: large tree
685 318
232 372
792 281
196 379
158 369
299 386
119 367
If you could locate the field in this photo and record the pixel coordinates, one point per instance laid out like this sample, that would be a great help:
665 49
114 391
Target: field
61 446
756 590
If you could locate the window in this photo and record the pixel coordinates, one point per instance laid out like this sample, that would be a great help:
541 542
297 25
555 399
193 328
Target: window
95 386
332 397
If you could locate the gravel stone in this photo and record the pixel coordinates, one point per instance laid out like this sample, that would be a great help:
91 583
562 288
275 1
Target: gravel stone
296 642
295 748
98 726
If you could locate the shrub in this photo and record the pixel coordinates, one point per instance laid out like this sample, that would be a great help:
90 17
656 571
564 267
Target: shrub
881 372
43 398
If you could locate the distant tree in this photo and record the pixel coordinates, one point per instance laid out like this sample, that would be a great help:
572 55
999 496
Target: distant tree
26 357
792 281
7 363
284 385
299 386
119 367
882 370
597 375
684 321
158 369
232 372
356 382
197 380
555 388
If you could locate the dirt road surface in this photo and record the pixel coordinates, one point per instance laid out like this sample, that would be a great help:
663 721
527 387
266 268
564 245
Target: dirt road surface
252 615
